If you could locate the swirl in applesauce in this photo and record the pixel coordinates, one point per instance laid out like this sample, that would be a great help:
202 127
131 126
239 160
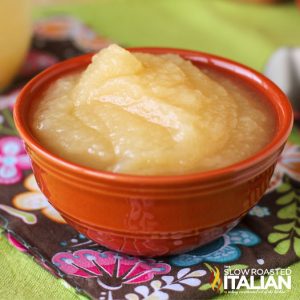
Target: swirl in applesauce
151 114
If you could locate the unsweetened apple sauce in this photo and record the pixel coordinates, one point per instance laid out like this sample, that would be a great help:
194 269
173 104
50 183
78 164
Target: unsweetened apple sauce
148 114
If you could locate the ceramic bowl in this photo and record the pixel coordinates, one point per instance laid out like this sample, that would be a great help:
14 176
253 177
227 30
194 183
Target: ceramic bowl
154 215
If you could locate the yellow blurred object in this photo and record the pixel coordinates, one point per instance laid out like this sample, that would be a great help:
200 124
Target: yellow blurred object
50 2
15 34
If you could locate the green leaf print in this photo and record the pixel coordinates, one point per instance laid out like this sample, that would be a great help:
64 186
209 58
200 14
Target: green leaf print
8 127
297 246
283 247
205 287
284 188
286 236
237 267
288 212
284 227
288 198
26 217
275 237
297 229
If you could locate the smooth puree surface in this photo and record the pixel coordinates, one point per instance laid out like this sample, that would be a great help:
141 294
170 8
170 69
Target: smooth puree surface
150 114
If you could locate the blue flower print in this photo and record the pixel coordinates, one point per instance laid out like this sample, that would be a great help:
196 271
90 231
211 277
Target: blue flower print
222 250
259 211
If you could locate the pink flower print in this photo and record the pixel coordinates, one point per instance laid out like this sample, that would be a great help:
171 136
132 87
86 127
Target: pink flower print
13 160
15 243
37 61
107 265
8 100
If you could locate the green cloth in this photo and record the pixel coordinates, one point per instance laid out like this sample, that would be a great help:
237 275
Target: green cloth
21 278
245 33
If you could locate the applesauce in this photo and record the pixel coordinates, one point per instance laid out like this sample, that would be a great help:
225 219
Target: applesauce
148 114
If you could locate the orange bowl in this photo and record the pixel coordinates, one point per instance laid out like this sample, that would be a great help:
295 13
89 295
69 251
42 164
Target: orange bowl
154 215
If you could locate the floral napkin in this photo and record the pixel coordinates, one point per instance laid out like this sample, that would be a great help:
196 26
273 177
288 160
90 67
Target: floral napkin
268 237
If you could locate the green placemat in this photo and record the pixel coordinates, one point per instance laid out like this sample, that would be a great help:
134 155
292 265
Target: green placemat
22 278
243 32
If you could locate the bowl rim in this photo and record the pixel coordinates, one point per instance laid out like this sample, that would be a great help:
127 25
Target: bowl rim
242 71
